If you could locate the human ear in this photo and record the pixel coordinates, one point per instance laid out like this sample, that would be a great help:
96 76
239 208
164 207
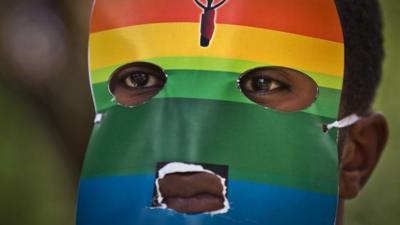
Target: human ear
362 148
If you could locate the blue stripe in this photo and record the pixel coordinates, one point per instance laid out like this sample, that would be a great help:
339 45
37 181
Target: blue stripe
125 200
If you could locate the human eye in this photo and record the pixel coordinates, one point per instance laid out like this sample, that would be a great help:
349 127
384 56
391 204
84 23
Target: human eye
279 88
262 85
136 83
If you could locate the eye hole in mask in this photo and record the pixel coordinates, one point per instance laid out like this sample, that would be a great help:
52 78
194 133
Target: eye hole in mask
136 83
279 88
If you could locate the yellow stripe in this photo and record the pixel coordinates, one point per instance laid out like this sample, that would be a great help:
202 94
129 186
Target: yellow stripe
136 43
213 64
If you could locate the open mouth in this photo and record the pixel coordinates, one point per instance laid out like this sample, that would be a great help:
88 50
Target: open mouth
188 188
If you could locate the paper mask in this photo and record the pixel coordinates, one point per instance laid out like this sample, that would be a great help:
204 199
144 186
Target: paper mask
233 92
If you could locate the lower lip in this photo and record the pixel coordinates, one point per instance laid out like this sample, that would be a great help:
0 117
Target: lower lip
201 203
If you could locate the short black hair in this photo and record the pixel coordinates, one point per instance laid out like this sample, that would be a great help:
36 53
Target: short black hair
362 28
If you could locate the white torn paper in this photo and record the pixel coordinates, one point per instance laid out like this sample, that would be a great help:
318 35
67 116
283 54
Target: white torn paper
98 118
178 167
345 122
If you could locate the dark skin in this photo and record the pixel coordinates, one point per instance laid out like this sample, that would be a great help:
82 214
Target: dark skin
362 147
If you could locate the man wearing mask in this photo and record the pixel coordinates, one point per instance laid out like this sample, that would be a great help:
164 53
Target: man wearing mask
257 128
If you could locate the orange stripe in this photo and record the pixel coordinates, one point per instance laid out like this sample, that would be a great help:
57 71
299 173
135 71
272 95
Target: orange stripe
314 18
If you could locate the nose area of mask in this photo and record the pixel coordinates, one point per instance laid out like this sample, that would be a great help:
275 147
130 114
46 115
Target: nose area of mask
207 131
269 154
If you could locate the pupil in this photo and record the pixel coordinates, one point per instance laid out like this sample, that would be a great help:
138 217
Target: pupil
138 80
261 83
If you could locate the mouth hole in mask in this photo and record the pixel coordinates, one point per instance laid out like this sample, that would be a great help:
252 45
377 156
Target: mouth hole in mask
190 189
136 83
279 88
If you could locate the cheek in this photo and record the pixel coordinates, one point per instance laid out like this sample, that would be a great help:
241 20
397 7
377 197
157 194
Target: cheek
287 101
127 97
305 91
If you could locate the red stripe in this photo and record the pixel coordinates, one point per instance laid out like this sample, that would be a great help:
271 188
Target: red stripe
315 18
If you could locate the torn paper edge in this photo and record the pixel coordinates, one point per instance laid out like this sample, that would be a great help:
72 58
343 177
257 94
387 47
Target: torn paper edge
98 118
178 167
345 122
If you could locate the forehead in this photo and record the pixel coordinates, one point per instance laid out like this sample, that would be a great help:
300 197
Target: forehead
303 35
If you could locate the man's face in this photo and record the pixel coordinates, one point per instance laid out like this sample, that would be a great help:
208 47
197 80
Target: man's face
233 129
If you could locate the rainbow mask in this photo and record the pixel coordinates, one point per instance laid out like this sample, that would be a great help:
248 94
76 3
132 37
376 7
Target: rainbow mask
235 89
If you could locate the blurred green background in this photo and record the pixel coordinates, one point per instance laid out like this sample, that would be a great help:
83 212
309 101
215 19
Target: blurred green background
46 115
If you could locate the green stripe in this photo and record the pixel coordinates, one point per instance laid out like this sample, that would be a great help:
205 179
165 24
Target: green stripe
215 64
259 145
215 86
